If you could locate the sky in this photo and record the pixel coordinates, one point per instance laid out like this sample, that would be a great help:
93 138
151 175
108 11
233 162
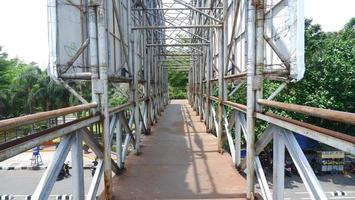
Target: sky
23 25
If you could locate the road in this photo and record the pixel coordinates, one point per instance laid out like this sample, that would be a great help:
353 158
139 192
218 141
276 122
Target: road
295 189
24 182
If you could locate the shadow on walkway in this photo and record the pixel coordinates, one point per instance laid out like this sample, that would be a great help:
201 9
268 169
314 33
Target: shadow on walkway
179 161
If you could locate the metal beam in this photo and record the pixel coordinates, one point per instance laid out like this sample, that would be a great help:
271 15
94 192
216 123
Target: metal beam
41 116
304 169
199 11
339 116
178 55
179 45
94 186
49 177
199 8
92 142
175 27
12 148
278 165
331 138
77 166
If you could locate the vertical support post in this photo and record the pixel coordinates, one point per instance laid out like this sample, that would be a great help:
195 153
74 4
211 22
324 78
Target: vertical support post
208 84
147 65
103 87
93 51
259 51
220 89
135 70
118 132
237 139
77 164
221 72
201 86
250 99
278 165
193 85
149 88
155 90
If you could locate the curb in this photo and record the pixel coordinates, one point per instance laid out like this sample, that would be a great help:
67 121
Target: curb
23 168
34 168
6 197
64 197
29 197
338 193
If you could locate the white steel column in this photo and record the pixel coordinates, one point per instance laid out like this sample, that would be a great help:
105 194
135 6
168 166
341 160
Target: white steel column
278 165
250 100
237 138
78 167
103 87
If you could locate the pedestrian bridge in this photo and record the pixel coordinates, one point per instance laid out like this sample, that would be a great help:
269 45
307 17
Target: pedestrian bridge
124 52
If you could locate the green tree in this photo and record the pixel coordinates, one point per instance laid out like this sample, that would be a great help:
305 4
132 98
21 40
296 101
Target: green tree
329 80
26 89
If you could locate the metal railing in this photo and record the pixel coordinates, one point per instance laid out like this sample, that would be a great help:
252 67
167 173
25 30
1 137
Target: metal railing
281 131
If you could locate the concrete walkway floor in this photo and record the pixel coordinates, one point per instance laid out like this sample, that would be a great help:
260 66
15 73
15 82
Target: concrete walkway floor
179 161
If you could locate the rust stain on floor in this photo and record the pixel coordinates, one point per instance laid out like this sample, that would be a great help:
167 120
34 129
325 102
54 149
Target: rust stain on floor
179 160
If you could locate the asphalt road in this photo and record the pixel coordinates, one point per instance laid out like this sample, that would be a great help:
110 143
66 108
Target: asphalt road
295 189
24 182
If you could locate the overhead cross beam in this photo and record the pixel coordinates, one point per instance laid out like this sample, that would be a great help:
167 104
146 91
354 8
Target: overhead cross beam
188 54
197 10
183 44
175 27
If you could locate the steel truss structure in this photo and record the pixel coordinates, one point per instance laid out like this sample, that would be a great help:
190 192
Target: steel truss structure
239 57
224 45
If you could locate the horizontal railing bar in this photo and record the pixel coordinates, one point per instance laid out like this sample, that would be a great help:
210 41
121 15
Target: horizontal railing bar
238 106
41 116
243 75
87 76
125 106
120 108
332 138
14 147
333 115
322 130
282 120
214 98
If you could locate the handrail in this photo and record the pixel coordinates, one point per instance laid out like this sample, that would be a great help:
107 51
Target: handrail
120 108
124 106
334 115
237 106
339 135
214 98
29 119
41 116
335 134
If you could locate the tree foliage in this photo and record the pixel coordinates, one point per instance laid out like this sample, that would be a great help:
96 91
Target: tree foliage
177 84
329 80
26 89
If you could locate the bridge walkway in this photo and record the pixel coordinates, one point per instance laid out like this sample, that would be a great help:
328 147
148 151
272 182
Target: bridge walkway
179 160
